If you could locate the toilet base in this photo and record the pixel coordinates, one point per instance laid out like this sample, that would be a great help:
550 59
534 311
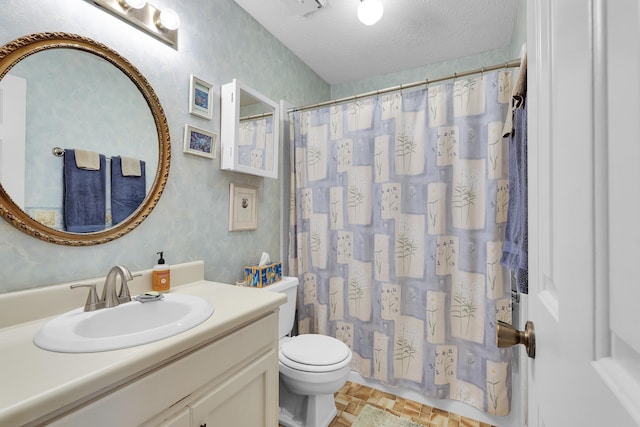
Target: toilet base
305 411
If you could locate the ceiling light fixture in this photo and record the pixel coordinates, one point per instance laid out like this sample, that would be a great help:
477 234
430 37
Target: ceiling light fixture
370 11
162 24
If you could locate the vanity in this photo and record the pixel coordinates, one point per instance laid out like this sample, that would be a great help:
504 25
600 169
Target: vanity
222 372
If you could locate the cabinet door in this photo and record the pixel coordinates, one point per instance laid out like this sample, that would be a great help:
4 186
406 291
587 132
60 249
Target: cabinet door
248 398
180 419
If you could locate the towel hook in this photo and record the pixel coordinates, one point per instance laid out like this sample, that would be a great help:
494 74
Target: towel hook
57 151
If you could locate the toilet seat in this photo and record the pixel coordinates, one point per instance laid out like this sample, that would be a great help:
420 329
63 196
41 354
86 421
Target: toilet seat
314 353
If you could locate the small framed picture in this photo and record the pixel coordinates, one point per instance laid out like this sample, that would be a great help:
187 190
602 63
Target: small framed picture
243 207
199 142
200 98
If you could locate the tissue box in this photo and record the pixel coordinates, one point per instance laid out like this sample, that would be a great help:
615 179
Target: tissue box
259 276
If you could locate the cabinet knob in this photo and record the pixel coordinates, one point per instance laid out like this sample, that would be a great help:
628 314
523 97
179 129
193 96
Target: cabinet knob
203 425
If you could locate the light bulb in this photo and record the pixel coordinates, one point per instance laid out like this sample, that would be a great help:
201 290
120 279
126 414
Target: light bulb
168 20
370 11
133 4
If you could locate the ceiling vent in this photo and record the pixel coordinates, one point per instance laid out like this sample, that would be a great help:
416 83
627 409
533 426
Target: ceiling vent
305 7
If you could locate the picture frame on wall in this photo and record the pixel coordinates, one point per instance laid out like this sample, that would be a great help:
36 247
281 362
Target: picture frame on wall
199 142
243 207
200 98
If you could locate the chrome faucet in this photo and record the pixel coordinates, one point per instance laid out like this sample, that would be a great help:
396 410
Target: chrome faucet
109 296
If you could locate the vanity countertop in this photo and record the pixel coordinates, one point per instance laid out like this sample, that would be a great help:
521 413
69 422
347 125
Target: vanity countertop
37 382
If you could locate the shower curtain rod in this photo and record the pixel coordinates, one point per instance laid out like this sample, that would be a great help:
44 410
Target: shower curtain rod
256 116
508 64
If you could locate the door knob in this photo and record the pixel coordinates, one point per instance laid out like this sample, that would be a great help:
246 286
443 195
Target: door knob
509 336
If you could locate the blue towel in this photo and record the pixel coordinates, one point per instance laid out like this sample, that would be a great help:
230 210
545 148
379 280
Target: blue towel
515 253
84 195
127 192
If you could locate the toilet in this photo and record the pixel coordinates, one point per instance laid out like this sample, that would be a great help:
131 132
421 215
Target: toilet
312 367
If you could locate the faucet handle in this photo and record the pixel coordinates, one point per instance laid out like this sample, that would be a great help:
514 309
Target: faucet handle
124 295
92 299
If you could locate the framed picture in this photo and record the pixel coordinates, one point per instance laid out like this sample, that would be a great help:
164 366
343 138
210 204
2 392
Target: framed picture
200 98
199 142
243 207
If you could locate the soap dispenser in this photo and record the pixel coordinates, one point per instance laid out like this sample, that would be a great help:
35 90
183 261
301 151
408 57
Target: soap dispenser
161 275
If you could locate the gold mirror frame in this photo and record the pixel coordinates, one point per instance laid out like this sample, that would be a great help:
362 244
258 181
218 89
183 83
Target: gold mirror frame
19 49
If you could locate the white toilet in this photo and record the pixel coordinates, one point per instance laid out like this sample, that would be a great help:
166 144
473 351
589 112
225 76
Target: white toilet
312 367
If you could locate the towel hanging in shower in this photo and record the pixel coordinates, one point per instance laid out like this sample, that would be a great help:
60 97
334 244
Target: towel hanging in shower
516 239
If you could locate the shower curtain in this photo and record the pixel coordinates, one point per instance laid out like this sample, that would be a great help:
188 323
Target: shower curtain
398 208
253 150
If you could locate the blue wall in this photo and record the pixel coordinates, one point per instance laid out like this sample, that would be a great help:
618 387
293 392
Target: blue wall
218 41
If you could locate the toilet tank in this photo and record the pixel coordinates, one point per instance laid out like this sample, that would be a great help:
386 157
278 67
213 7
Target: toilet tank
289 287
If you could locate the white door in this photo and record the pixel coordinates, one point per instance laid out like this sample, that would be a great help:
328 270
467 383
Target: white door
584 199
13 104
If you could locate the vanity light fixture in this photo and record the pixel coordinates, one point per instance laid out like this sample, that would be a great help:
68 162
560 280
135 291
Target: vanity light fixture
162 24
135 4
168 20
370 11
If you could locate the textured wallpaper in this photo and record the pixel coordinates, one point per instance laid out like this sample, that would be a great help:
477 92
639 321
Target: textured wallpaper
218 41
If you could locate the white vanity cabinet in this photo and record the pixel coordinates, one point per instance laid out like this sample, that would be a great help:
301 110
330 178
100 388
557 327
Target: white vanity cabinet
223 372
230 381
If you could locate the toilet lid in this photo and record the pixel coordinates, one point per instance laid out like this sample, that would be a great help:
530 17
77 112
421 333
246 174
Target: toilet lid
314 349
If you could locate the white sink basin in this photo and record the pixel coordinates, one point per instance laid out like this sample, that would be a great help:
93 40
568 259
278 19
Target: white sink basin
127 325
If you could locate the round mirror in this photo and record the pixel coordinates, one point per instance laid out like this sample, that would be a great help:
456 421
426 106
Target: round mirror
66 99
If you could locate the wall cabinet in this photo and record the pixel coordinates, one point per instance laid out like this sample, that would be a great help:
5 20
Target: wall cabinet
249 131
229 381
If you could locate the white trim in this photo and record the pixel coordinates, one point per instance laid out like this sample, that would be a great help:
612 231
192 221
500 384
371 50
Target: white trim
602 338
624 388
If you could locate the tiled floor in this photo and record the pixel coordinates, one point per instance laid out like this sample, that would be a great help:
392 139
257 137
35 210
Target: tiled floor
352 397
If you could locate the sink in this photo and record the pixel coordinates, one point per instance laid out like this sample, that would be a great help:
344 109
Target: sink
126 325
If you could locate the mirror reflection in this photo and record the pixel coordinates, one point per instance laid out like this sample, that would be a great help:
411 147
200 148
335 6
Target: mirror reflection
98 109
249 131
68 95
255 138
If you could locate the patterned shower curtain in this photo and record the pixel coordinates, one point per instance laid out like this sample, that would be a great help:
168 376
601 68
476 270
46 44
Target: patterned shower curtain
253 150
398 208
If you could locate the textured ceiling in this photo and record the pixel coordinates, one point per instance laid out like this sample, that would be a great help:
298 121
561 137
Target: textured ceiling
411 33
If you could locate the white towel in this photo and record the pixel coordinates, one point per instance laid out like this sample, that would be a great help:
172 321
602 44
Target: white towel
88 160
130 167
